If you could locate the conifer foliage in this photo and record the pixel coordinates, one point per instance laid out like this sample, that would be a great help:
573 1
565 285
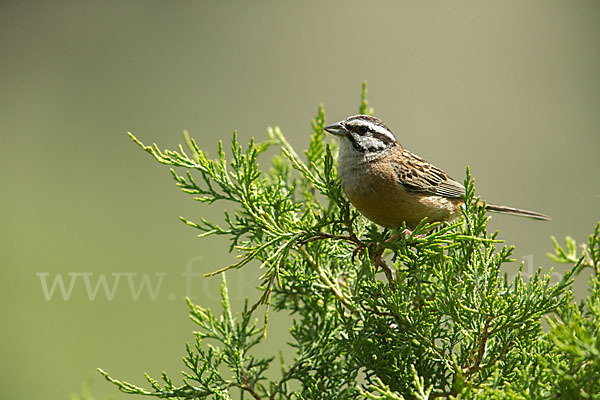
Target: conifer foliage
421 316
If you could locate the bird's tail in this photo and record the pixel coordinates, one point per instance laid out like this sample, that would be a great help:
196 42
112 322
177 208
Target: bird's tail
516 211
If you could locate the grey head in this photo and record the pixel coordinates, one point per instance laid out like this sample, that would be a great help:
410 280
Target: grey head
366 133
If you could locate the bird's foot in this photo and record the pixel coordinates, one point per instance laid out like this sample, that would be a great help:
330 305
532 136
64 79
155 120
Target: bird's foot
407 233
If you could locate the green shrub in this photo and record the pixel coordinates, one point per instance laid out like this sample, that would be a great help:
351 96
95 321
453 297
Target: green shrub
419 316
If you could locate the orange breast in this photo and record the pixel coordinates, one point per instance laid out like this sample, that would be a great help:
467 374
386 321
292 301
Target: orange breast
374 191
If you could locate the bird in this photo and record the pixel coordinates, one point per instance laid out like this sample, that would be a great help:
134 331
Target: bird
391 186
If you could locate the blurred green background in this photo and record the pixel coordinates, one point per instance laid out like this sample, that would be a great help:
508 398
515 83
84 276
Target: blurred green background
509 88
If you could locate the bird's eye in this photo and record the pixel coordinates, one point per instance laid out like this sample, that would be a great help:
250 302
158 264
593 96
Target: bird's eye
362 129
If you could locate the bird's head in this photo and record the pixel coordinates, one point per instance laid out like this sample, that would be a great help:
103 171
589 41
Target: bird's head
366 134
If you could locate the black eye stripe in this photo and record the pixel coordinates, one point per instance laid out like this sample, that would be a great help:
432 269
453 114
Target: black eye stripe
362 130
366 121
384 138
358 129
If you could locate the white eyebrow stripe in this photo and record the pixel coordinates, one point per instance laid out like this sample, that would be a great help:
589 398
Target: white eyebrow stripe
374 127
380 129
370 125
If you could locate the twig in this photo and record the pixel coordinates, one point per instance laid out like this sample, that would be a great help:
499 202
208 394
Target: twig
589 262
331 285
481 350
350 238
246 385
283 379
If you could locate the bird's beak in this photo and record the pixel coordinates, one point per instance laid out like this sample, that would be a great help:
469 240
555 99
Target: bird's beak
337 129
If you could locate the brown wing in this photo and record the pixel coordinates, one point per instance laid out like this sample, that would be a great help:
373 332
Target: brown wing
417 174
